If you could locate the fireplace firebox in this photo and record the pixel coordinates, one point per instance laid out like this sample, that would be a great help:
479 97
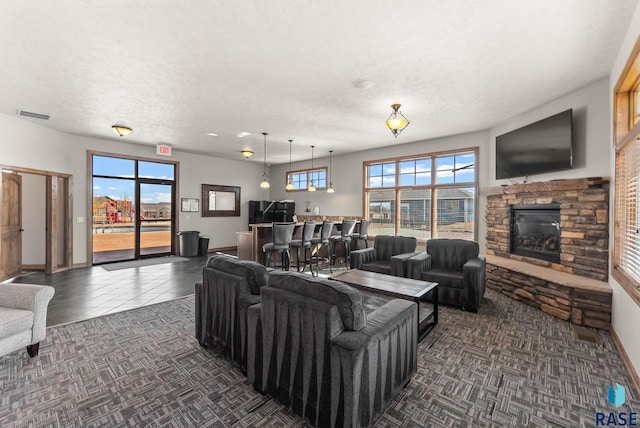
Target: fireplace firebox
535 231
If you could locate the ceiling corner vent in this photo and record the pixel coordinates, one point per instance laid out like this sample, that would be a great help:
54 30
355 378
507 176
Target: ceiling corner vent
33 115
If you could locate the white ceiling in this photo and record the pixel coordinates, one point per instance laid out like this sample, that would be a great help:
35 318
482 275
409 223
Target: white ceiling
175 70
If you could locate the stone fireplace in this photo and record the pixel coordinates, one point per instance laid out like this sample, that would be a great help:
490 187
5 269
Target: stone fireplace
535 231
548 246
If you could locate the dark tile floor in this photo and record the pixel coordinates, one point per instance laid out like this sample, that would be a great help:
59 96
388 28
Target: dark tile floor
93 291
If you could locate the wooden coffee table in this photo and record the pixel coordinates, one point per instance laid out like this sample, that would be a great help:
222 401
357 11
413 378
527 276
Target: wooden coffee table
402 288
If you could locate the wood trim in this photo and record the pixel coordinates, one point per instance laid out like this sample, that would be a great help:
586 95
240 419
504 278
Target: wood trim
34 171
51 246
625 358
223 249
622 121
548 186
89 196
419 155
307 170
89 207
33 267
433 187
628 284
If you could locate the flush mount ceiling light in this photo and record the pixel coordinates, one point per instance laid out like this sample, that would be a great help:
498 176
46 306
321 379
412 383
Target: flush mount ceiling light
121 130
396 122
330 188
265 177
243 134
212 134
246 153
311 187
289 185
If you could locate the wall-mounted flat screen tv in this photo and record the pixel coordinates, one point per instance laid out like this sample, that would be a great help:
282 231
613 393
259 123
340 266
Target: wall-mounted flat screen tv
543 146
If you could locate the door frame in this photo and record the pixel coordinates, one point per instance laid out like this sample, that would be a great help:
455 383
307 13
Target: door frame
57 229
89 222
174 215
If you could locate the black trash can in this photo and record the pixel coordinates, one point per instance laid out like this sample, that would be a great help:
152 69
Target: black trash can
189 243
203 245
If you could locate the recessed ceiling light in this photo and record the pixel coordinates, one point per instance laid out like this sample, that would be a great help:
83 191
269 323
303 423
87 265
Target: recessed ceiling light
243 134
211 134
363 84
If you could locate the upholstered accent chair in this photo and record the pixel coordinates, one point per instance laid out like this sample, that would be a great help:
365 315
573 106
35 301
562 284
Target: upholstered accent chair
23 316
388 255
229 287
304 244
282 236
455 265
326 358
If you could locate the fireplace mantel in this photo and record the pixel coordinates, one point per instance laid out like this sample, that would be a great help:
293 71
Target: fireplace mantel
548 186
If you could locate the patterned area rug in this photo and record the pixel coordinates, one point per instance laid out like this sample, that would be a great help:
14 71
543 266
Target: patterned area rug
509 365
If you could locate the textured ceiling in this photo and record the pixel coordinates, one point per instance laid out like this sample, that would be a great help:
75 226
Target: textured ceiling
177 70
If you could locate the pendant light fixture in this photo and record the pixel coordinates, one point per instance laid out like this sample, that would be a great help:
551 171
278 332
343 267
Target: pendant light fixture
311 187
265 177
290 181
396 121
330 188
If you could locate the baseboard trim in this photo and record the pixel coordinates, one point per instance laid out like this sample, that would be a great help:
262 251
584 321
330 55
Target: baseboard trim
222 249
32 267
625 358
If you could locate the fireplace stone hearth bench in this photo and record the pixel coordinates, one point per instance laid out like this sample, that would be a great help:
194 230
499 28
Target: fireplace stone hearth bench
580 300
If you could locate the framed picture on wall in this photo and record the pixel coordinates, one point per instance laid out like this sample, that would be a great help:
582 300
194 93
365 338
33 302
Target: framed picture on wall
190 205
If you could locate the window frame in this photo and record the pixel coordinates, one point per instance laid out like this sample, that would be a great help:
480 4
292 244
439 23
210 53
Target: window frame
307 172
433 186
626 133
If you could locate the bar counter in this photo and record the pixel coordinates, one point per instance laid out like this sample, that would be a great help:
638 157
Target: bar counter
250 242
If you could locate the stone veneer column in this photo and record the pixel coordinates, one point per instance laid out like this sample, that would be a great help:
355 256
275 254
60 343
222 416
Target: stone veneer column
584 222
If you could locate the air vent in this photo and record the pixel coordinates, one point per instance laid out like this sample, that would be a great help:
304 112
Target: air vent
33 115
586 334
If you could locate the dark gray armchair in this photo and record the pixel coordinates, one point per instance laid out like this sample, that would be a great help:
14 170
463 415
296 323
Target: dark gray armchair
228 288
324 356
388 255
454 264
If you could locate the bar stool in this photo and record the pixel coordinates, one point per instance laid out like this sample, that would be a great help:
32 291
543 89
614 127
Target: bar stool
361 235
345 239
304 243
282 235
322 241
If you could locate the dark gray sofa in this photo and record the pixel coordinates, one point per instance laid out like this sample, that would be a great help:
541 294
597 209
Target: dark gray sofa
454 264
314 347
229 288
388 255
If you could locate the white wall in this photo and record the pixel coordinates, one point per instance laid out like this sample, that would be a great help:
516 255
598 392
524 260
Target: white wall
626 313
29 145
590 139
347 174
591 134
33 219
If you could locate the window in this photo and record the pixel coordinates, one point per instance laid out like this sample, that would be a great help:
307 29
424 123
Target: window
425 196
302 179
626 240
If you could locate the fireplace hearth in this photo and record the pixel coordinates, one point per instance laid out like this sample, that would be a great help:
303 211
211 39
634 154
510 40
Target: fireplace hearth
535 231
